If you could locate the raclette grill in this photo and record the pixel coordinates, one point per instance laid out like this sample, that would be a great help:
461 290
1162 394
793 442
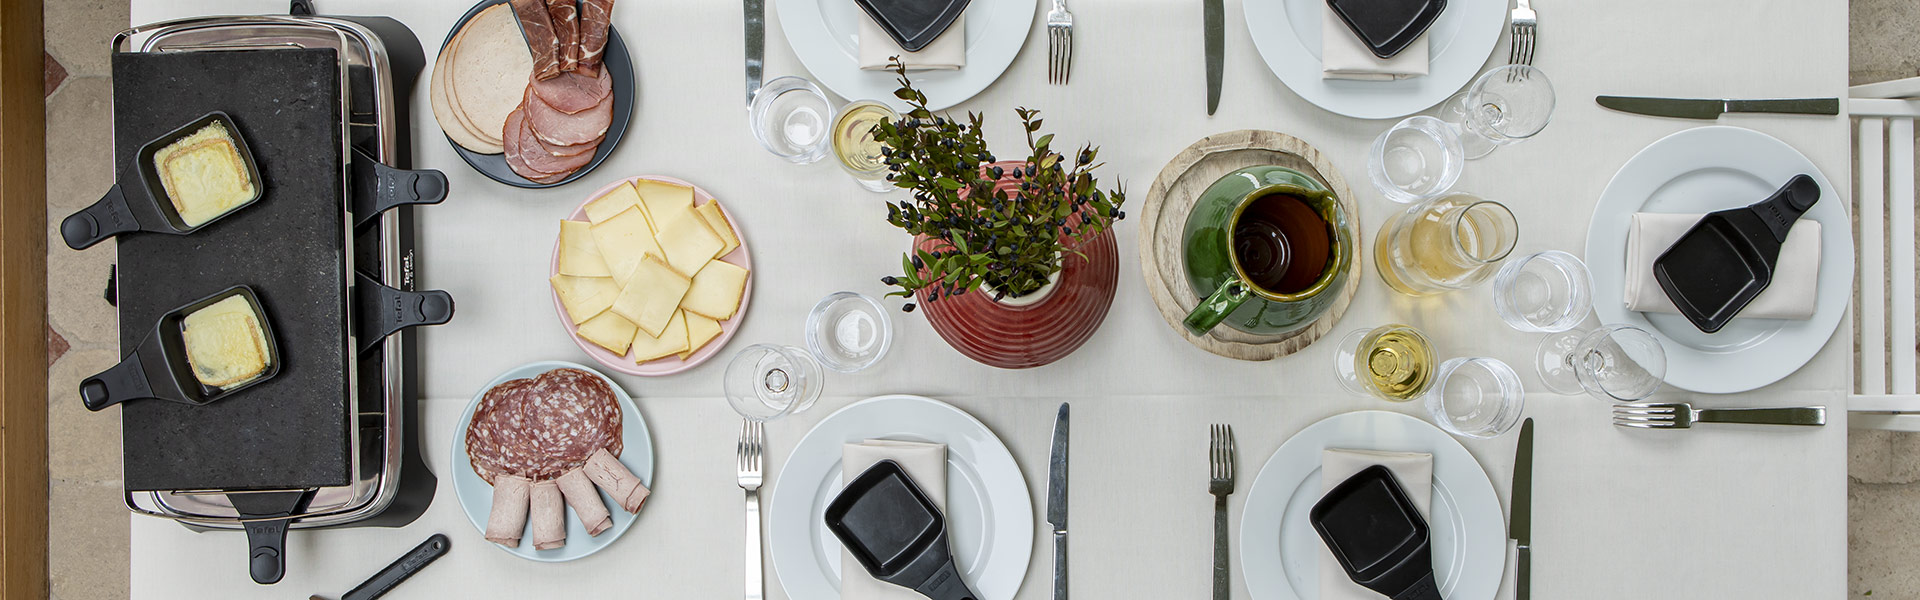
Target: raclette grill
329 442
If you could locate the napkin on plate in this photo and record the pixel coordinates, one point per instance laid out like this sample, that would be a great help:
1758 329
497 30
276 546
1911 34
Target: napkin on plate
1796 276
1413 470
947 52
927 465
1344 56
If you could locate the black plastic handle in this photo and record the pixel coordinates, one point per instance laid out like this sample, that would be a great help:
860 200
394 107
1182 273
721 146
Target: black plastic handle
409 563
106 218
266 516
946 584
378 187
383 310
125 381
1424 589
1785 206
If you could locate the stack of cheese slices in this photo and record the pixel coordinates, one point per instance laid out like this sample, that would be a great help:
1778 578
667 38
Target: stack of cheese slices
642 276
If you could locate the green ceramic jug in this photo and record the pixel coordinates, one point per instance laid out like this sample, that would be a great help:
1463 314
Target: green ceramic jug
1272 269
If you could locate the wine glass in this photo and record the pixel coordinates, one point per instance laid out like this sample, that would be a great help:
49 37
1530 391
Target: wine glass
849 331
1504 106
1547 292
1615 362
765 382
1391 362
790 116
1418 158
1475 397
859 154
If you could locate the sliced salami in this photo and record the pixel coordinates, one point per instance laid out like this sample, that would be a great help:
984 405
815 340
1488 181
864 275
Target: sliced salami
542 427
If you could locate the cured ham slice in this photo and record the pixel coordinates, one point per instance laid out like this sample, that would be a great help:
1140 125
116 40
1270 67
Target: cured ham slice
559 128
509 515
565 15
574 92
576 150
596 18
549 515
619 482
537 26
585 501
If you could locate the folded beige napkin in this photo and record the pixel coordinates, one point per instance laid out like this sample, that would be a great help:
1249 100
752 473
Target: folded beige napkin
947 52
1796 276
1413 470
927 465
1344 56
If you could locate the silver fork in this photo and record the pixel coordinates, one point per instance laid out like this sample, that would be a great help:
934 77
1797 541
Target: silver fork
1059 43
1681 415
1523 24
1220 461
753 441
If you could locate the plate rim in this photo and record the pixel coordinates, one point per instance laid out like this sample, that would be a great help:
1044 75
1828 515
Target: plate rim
806 32
1791 348
1282 52
1023 507
671 365
460 467
1270 472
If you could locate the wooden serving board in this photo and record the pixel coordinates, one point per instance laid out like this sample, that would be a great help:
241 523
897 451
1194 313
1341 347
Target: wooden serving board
1163 224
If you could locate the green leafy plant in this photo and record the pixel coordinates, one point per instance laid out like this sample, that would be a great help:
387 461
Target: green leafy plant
1010 242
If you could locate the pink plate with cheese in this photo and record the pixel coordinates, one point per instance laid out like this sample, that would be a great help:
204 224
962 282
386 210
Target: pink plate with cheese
670 364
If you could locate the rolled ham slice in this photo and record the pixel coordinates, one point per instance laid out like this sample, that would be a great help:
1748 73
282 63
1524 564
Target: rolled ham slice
619 482
549 514
537 27
596 17
509 515
565 15
585 502
574 92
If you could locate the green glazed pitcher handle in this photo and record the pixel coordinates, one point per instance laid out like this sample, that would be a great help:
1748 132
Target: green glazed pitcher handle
1215 308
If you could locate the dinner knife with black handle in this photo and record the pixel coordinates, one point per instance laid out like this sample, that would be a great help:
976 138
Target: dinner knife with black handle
1710 108
1057 502
1520 524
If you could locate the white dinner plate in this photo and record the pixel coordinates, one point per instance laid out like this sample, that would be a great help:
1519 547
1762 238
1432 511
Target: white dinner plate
1702 170
1287 33
825 34
1280 552
989 512
476 495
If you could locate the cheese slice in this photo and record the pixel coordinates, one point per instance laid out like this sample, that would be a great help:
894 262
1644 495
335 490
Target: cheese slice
623 240
718 221
688 242
579 256
700 330
716 291
668 343
225 343
663 201
609 331
584 297
605 207
652 295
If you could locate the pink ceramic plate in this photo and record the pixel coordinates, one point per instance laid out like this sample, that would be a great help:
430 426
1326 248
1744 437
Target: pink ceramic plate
670 364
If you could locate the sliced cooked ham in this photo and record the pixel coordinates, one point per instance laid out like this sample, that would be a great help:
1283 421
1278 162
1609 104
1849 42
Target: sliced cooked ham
566 29
531 160
559 150
537 27
574 92
562 129
596 17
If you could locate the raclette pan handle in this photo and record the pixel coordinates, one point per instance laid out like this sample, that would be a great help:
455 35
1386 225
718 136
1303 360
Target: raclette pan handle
378 187
382 310
108 217
265 516
946 584
125 381
1785 206
1424 589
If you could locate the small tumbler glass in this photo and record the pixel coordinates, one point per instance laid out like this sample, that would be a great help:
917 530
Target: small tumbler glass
765 382
849 331
1548 292
1391 362
855 148
790 117
1418 158
1475 397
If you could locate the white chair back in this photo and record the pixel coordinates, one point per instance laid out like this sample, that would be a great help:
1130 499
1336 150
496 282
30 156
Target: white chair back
1883 390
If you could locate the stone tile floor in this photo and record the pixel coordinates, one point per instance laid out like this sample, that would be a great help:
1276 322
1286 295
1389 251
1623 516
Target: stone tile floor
89 524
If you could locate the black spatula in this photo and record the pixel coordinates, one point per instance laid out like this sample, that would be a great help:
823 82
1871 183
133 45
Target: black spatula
1725 261
896 533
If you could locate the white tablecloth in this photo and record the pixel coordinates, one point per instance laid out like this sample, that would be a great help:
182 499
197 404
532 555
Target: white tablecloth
1719 512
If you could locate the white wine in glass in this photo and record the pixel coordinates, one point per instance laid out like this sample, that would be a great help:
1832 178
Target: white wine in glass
1453 242
854 144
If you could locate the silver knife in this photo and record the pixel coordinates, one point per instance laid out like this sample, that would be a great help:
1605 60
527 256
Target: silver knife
756 44
1057 501
1520 525
1216 30
1696 108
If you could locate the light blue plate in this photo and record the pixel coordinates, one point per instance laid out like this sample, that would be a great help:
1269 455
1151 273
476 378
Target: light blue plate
476 496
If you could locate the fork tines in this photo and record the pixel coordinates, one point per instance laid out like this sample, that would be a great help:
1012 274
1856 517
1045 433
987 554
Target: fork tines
1059 53
1522 51
1220 454
751 449
1645 415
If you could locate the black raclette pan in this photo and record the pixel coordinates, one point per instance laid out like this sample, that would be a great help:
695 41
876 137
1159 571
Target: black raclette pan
1720 265
896 533
141 203
1378 536
1386 27
158 367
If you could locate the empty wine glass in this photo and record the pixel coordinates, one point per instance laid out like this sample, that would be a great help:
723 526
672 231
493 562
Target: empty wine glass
765 382
849 331
1503 106
1418 158
1547 292
790 116
1615 362
1391 362
1475 397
